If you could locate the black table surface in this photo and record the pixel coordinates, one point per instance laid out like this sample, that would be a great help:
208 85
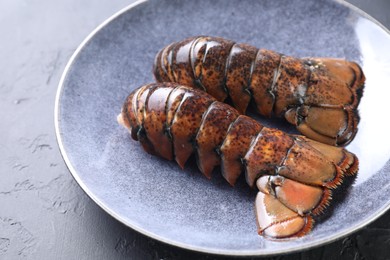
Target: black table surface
44 214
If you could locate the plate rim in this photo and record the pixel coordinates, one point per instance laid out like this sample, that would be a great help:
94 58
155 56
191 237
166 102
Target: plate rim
90 194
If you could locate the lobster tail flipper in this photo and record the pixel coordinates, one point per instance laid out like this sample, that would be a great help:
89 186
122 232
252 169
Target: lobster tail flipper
334 126
346 161
275 220
300 198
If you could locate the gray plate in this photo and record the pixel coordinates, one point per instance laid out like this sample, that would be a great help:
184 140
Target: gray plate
183 208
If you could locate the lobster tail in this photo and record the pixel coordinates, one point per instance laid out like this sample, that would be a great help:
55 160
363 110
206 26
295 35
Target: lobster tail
318 95
294 175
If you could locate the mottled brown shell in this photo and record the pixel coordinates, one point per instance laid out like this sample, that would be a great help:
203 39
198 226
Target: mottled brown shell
173 121
318 95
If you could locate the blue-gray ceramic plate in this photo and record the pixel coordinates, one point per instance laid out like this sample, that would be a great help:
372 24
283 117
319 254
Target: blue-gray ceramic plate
181 207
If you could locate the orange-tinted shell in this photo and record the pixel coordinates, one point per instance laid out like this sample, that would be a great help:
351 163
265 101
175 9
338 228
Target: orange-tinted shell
294 175
318 95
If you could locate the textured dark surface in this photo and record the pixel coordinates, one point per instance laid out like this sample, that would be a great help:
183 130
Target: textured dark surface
43 212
